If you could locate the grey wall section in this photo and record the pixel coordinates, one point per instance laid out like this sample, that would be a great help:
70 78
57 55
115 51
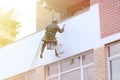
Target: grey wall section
81 32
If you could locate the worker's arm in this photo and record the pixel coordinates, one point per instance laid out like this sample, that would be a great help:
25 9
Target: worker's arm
62 29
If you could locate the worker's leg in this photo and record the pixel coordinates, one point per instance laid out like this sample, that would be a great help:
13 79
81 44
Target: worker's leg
42 49
56 54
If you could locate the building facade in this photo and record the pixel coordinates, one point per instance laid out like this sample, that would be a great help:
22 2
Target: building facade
91 44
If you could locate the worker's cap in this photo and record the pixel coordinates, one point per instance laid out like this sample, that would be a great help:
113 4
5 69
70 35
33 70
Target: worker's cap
55 19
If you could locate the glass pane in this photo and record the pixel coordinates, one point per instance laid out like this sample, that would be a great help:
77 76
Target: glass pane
115 69
74 75
89 73
115 49
88 58
55 78
52 69
70 64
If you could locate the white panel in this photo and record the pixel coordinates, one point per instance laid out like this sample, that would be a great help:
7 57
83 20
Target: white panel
81 32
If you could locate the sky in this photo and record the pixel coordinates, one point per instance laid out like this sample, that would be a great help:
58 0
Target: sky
25 11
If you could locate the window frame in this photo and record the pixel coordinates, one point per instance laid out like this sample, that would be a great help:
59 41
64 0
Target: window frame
81 67
111 58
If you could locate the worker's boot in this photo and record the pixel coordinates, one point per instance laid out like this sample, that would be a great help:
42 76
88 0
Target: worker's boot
41 56
56 54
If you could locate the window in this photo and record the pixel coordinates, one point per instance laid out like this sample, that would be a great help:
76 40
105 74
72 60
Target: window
73 75
54 78
87 59
115 69
79 67
114 49
70 64
52 69
88 73
114 61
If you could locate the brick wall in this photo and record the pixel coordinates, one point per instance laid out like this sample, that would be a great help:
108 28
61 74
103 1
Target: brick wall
29 75
109 16
78 7
44 17
100 65
35 74
41 73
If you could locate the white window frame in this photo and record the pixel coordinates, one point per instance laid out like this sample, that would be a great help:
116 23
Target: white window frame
111 58
81 68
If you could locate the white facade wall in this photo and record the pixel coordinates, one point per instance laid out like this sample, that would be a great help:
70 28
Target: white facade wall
81 33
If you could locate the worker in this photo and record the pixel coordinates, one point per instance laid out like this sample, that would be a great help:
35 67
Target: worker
50 34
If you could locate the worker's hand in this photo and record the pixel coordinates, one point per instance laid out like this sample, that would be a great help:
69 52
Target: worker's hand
63 25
